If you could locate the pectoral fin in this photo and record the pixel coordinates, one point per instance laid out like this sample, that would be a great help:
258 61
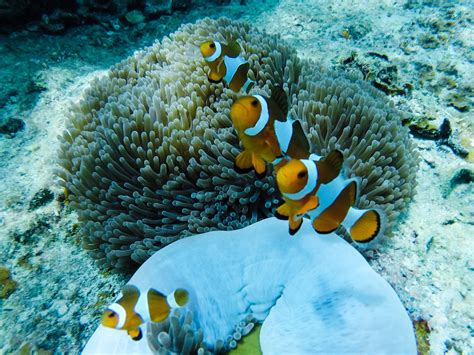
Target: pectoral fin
259 164
243 162
282 212
311 204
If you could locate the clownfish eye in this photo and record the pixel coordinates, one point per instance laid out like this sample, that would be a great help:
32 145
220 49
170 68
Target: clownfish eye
212 45
111 315
301 174
254 103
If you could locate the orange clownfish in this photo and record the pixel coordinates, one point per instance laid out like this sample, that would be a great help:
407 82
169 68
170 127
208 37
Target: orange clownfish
327 199
135 308
266 132
227 65
299 180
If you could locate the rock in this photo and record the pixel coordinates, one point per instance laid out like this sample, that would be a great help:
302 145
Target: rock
11 126
180 4
158 8
459 102
41 198
135 17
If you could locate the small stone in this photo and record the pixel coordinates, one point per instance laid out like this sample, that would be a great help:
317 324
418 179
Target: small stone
459 102
41 198
11 126
62 309
135 17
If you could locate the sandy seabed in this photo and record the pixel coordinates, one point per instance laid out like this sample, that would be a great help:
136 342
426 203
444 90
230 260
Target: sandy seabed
422 48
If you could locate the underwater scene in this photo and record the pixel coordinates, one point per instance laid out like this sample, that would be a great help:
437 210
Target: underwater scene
236 176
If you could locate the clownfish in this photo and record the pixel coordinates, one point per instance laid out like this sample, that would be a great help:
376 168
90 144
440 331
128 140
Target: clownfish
227 65
266 132
135 308
299 181
329 204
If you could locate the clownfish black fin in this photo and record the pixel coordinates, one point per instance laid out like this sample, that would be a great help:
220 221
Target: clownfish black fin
281 100
330 166
243 162
367 227
282 212
333 216
233 49
299 147
214 81
136 335
261 175
295 226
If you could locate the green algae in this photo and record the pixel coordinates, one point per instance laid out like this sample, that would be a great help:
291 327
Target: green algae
422 331
7 285
250 344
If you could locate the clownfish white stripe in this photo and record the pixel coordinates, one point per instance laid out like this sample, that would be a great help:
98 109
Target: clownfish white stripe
329 192
315 157
121 314
310 184
353 215
284 131
262 119
171 299
277 161
247 83
232 65
216 54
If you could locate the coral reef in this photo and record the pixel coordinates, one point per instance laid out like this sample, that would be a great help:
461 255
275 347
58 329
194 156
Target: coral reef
148 153
308 305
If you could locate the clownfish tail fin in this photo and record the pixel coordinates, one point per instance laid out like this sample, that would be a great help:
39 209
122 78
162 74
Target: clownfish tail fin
365 225
181 296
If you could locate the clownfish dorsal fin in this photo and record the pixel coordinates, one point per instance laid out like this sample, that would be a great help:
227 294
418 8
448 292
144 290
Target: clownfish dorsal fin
281 100
233 49
299 147
330 166
130 296
158 306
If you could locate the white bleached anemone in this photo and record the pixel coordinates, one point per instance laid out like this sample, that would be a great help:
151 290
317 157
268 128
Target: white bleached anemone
312 294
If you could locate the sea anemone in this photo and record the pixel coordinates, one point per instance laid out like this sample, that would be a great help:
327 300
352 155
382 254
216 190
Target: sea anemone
147 155
311 295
